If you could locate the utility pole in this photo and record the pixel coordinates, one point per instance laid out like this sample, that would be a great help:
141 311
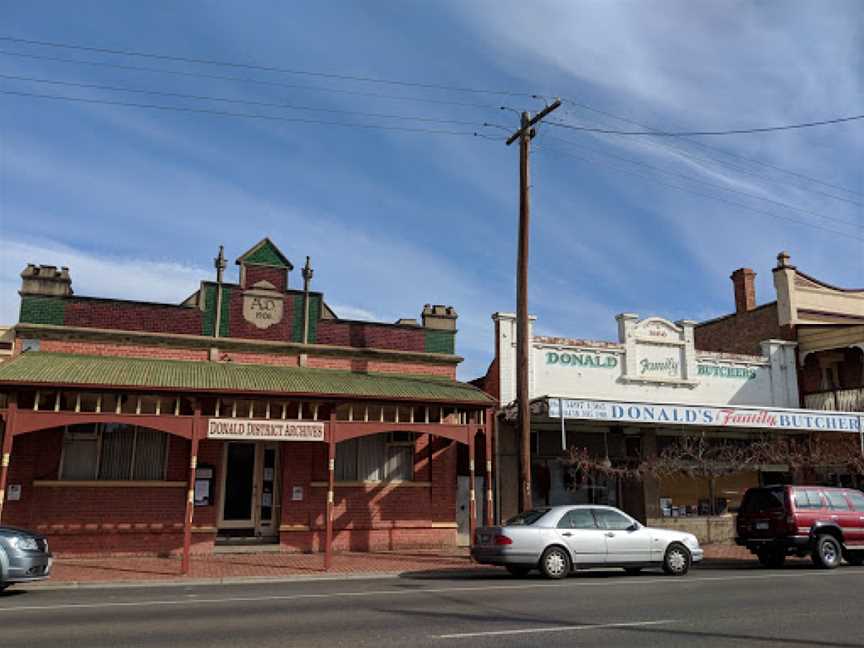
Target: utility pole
525 134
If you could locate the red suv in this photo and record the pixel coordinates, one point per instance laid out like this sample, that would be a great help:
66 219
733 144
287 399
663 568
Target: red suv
825 523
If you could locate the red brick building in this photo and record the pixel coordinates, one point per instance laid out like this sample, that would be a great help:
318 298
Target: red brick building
825 320
251 410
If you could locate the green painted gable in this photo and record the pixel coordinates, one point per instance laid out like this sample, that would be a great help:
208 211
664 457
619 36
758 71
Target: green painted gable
265 253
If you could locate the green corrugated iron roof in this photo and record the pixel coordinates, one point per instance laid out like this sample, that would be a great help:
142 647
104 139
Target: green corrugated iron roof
68 369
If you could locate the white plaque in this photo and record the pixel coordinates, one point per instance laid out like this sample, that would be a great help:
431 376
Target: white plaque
13 493
264 430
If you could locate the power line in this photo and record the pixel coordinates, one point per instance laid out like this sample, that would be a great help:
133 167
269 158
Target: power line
734 203
748 171
264 82
741 131
691 178
264 68
222 113
96 86
703 145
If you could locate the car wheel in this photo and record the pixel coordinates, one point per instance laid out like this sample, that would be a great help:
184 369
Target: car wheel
555 563
633 571
826 554
677 560
855 558
519 571
771 558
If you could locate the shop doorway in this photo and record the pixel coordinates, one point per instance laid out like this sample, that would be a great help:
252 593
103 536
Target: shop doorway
250 491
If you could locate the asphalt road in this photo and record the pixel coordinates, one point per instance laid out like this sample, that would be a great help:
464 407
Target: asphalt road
712 606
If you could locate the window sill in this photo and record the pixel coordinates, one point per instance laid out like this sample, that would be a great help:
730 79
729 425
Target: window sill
68 483
395 483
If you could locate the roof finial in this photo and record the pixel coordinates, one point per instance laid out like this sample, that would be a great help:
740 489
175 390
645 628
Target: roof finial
307 274
220 264
783 260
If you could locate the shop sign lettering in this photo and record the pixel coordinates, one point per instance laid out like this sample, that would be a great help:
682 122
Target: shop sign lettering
590 360
667 366
723 371
264 430
788 419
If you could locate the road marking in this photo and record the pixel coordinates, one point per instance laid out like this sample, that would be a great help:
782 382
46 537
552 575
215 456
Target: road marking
666 580
598 626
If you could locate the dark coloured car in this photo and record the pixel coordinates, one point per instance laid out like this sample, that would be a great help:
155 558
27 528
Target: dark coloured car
24 557
824 523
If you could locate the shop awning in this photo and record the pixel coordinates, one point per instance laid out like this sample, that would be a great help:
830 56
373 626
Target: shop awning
104 372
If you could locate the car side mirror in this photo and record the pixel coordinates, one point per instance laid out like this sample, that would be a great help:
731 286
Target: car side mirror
634 527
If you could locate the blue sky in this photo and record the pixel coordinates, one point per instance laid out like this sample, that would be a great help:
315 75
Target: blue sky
137 201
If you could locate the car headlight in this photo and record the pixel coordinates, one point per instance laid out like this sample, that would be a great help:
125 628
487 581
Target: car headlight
24 544
691 541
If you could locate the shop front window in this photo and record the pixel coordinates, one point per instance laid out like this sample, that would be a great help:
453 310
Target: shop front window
112 452
379 457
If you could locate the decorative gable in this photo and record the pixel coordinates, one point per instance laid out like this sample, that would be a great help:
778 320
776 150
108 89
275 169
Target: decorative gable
265 253
657 350
264 262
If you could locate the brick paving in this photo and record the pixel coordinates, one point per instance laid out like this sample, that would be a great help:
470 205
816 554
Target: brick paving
276 565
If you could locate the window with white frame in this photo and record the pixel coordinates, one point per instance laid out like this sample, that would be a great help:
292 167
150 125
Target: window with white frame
113 452
379 457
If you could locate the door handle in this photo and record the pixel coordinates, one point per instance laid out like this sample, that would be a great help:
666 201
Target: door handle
609 534
567 533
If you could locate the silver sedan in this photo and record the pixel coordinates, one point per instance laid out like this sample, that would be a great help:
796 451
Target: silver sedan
560 539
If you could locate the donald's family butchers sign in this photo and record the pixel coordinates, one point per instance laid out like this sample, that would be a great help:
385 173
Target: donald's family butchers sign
264 430
705 416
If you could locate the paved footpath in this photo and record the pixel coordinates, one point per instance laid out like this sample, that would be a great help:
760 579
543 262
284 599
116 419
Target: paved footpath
712 606
275 565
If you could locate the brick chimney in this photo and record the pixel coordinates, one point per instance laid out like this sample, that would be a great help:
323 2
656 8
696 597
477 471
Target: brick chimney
46 280
744 280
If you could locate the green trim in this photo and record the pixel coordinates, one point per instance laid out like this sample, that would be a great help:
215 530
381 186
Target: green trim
225 320
297 317
208 319
266 254
88 371
42 310
439 341
314 316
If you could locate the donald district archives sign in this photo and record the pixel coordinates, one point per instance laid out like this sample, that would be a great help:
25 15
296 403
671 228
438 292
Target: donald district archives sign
264 430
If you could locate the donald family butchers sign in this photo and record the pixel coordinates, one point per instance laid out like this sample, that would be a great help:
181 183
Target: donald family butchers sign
705 416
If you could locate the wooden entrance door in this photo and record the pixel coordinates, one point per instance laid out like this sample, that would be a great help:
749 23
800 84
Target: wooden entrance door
250 489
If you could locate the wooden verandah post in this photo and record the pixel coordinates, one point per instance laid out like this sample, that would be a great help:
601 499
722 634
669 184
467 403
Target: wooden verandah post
487 434
190 492
331 467
6 451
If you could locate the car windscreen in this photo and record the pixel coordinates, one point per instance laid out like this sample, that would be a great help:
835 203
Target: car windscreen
762 500
527 518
